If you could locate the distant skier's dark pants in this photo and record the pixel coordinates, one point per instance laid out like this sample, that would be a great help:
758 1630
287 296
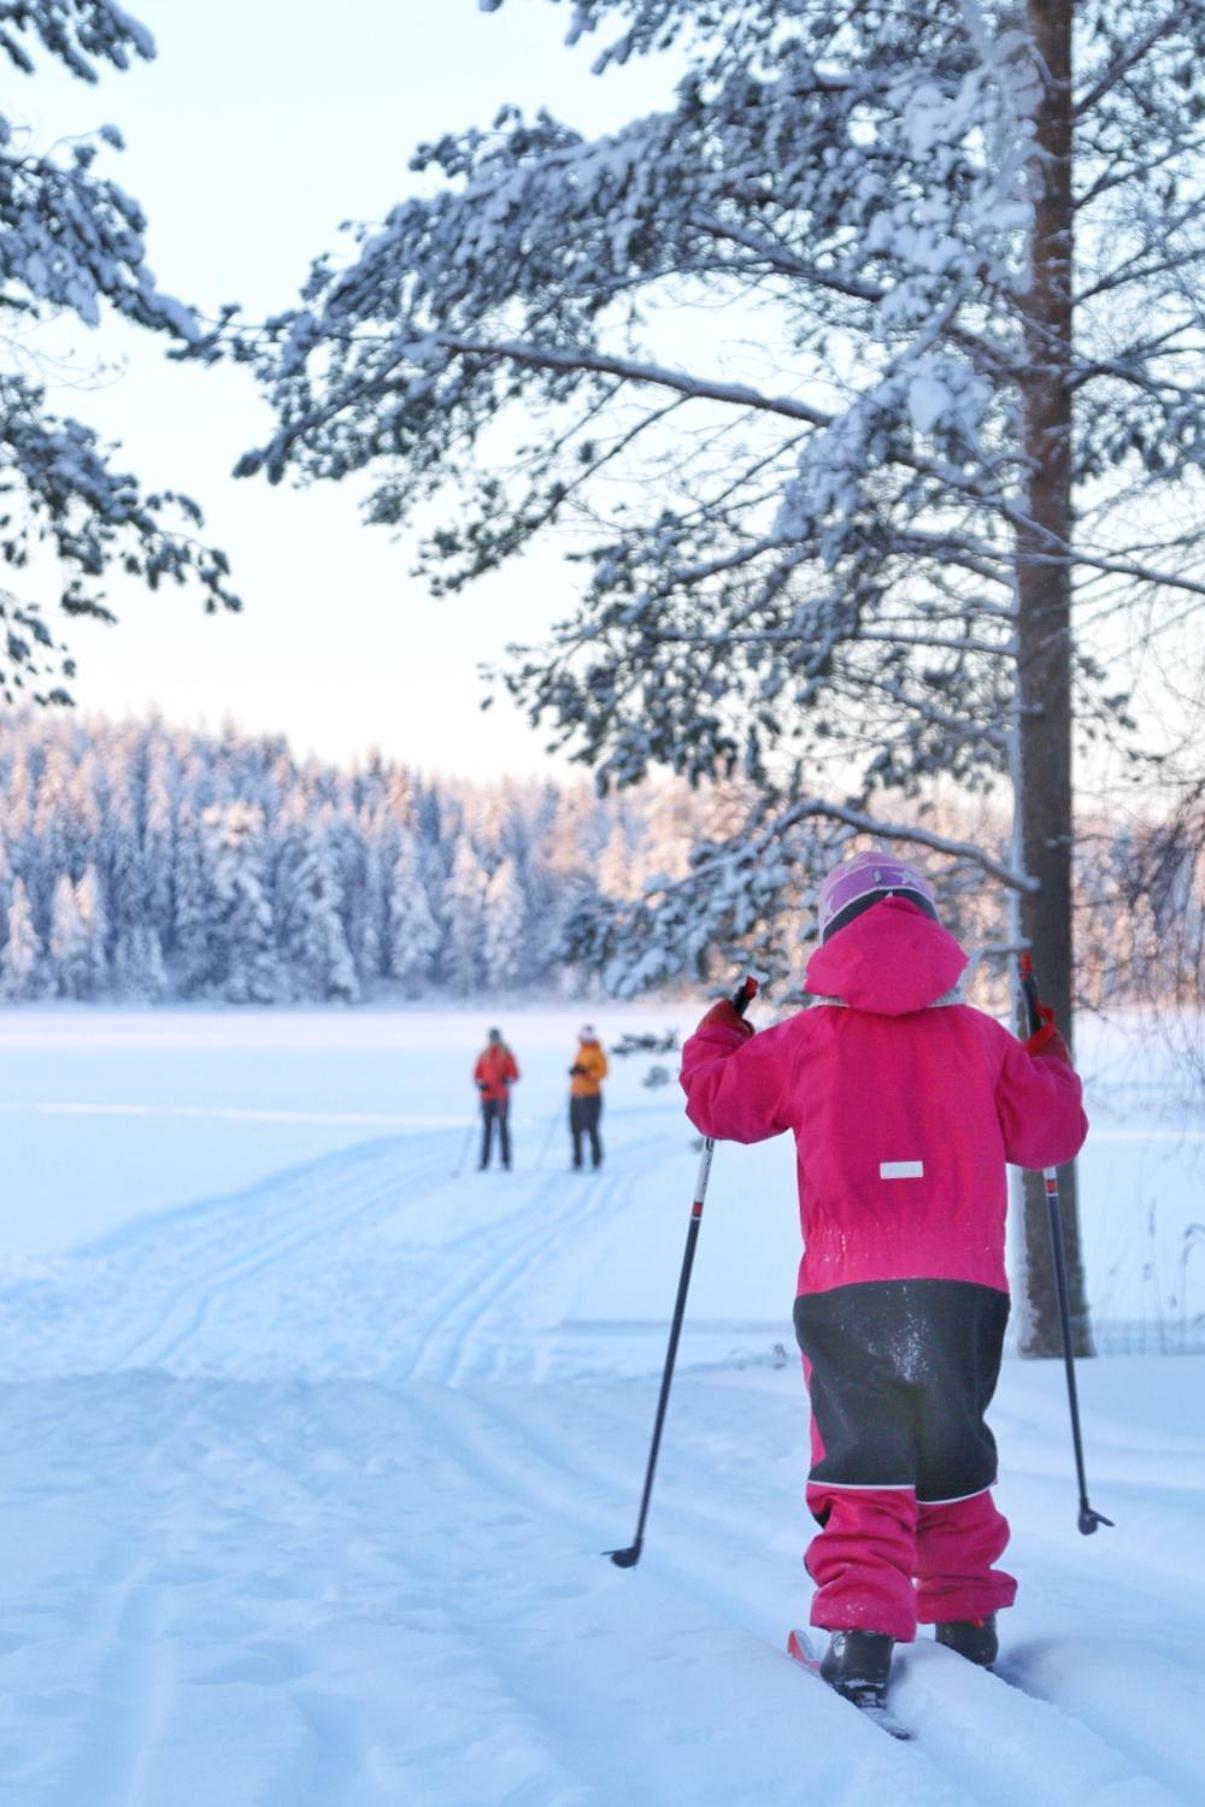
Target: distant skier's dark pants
900 1373
495 1110
584 1114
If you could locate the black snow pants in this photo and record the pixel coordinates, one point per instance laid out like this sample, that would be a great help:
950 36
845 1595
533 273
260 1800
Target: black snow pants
901 1373
584 1114
495 1110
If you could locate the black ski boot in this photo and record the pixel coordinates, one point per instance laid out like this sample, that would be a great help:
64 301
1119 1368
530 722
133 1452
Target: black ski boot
857 1664
973 1638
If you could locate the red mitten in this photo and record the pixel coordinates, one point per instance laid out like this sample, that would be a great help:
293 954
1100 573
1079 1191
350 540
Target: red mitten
1047 1039
726 1016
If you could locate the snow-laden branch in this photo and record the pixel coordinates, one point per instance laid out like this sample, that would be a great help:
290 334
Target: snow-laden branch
73 32
916 834
867 637
854 288
636 370
72 242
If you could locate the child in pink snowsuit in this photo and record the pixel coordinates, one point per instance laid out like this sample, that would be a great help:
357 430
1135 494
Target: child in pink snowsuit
905 1104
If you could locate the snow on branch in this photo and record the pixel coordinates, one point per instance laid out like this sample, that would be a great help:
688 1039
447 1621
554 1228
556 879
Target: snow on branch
748 898
966 852
74 32
72 242
60 488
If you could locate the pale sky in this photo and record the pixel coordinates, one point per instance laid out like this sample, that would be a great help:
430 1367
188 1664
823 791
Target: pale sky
256 132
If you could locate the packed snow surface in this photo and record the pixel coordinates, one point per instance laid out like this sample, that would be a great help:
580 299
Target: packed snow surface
311 1444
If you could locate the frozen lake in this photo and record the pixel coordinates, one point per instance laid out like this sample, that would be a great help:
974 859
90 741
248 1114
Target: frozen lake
109 1115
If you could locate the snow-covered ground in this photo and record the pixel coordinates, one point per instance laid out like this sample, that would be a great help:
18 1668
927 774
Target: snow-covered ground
304 1484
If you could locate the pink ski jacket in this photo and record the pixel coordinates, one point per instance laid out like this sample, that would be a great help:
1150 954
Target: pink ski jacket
905 1105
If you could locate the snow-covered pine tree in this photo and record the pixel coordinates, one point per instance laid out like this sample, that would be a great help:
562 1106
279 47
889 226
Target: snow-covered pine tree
242 935
464 897
21 961
287 846
152 966
18 800
320 950
74 244
617 876
507 953
94 926
128 890
370 921
158 839
138 969
576 834
413 931
890 322
191 951
50 825
572 848
68 948
83 840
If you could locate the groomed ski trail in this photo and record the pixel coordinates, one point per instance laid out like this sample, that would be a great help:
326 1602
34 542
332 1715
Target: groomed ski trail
294 1227
1009 1746
308 1517
241 1284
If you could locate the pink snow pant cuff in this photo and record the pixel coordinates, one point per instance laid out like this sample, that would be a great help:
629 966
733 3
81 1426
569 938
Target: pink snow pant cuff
884 1563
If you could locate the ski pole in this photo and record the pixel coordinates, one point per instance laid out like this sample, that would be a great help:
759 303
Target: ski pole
627 1559
547 1143
1089 1519
464 1149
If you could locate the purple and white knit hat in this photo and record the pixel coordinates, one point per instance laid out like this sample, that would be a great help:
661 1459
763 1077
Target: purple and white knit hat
855 884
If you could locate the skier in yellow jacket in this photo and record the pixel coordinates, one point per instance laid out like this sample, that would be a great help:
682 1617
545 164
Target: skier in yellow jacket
586 1075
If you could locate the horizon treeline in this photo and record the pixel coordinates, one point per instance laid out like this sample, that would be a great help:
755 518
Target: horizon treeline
140 861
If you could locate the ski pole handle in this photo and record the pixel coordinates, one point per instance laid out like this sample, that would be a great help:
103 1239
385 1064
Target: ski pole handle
745 993
740 1000
1029 991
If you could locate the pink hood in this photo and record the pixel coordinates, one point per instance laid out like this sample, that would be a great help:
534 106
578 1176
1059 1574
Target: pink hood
890 961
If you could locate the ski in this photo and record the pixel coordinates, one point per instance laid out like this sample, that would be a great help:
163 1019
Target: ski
801 1648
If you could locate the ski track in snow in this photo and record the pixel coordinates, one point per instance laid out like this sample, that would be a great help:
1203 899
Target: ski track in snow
310 1513
945 1704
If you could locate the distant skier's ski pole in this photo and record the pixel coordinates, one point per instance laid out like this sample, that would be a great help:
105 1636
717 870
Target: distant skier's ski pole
627 1559
464 1149
557 1117
1088 1518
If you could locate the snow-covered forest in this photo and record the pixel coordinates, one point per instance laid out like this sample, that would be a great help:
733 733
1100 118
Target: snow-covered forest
141 862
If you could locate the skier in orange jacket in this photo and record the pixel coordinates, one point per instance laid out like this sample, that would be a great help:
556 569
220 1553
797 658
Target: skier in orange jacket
586 1075
496 1071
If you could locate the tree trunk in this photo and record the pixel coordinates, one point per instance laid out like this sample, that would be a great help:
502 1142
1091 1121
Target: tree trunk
1044 794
